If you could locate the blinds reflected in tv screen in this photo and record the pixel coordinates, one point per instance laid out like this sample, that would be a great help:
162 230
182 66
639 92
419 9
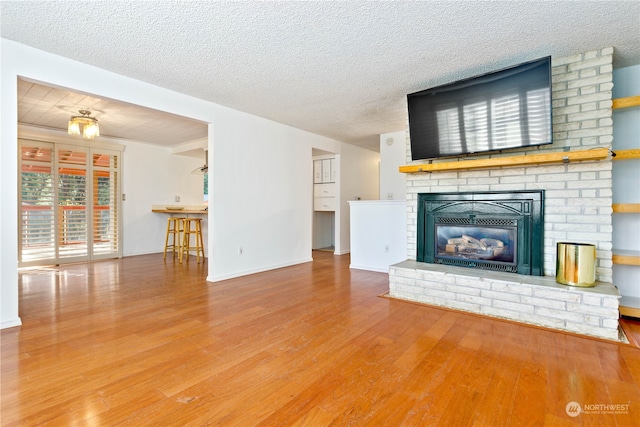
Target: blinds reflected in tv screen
505 109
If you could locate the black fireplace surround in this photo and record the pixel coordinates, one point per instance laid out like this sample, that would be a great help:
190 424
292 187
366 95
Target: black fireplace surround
499 231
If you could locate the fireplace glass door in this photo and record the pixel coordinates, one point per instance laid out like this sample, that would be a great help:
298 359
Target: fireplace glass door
492 244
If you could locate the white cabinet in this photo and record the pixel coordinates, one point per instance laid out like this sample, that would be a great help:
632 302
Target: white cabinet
324 197
317 171
324 190
324 204
332 165
324 170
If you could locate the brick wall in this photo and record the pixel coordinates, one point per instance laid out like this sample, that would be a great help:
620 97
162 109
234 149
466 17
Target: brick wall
578 195
527 299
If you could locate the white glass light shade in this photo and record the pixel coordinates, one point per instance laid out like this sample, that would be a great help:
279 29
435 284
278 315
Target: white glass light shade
90 130
73 128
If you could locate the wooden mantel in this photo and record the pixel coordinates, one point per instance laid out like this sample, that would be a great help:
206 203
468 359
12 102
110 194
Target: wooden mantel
522 160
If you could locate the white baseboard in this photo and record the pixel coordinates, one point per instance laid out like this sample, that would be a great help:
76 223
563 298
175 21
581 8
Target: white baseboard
10 323
369 268
254 271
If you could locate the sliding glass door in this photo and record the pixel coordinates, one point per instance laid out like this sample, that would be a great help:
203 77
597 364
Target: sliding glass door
105 199
37 204
69 202
72 220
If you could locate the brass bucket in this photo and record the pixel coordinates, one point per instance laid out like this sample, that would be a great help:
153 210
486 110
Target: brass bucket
576 264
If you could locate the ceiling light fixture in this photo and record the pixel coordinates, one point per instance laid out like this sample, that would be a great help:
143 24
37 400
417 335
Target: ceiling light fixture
90 128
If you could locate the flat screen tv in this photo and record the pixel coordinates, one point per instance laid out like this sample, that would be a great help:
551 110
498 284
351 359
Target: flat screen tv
504 109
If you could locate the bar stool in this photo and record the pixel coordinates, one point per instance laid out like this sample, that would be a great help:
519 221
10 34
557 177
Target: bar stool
188 230
175 226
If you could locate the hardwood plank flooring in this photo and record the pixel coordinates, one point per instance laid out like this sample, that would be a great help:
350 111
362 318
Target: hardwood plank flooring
141 342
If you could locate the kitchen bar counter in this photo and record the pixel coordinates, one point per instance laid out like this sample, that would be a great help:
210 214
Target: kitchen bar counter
183 209
180 211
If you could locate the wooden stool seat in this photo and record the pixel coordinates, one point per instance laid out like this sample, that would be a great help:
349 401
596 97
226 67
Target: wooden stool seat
175 227
192 226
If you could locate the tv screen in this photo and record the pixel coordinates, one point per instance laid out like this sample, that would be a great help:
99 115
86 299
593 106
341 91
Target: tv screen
505 109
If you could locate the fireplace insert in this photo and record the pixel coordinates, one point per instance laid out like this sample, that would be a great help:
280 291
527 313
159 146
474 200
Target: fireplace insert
500 231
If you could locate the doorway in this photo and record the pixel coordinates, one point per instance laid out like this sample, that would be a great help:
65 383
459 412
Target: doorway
325 200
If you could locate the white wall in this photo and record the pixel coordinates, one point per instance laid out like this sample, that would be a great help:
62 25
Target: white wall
8 191
392 155
154 176
626 177
358 179
260 195
378 234
259 171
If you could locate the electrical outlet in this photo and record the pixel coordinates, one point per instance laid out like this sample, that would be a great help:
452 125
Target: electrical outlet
124 197
177 198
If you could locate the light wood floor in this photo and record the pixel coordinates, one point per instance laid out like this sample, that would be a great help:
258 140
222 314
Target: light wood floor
137 342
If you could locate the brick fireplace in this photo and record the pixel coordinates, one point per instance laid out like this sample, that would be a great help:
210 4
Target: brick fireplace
577 208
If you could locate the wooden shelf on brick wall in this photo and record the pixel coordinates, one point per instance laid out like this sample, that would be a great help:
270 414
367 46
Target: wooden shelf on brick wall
632 153
626 207
626 257
630 101
524 160
630 306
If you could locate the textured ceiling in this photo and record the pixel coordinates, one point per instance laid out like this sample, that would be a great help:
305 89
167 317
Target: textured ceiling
339 69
